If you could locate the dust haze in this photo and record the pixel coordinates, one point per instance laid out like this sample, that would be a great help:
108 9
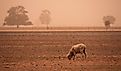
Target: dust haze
67 12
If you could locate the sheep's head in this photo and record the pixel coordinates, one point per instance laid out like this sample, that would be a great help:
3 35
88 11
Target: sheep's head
70 55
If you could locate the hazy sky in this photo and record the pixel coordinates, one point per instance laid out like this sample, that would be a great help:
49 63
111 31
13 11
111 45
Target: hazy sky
67 12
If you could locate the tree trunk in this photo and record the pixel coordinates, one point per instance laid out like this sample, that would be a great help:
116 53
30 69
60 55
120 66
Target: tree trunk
106 29
17 26
47 27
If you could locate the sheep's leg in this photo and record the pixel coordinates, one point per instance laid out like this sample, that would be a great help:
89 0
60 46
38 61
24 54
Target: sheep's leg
85 53
73 57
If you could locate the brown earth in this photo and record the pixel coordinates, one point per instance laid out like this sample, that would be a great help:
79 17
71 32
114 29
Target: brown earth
46 51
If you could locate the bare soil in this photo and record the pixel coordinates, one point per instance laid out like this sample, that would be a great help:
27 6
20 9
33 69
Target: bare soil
46 51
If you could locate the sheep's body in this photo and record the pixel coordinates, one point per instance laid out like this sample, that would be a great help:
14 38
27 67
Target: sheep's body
76 49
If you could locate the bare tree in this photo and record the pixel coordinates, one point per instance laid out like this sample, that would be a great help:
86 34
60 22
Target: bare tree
17 16
108 20
45 17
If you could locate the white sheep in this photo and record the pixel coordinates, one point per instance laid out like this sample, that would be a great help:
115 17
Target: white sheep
77 49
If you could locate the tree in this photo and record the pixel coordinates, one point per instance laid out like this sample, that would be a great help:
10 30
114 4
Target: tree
108 20
17 16
45 17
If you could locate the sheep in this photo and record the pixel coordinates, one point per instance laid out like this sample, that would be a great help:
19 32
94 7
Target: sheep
77 49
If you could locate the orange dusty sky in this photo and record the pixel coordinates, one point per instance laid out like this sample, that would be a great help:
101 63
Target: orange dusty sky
67 12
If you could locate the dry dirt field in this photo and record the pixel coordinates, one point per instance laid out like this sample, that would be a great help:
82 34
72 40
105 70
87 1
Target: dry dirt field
46 51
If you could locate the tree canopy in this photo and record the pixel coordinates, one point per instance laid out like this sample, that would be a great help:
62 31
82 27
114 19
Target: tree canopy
45 17
108 20
17 16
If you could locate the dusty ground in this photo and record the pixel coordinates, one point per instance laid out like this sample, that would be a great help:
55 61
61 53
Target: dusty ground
46 51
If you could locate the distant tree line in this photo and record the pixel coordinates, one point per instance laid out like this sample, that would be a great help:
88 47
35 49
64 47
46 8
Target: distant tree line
18 16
